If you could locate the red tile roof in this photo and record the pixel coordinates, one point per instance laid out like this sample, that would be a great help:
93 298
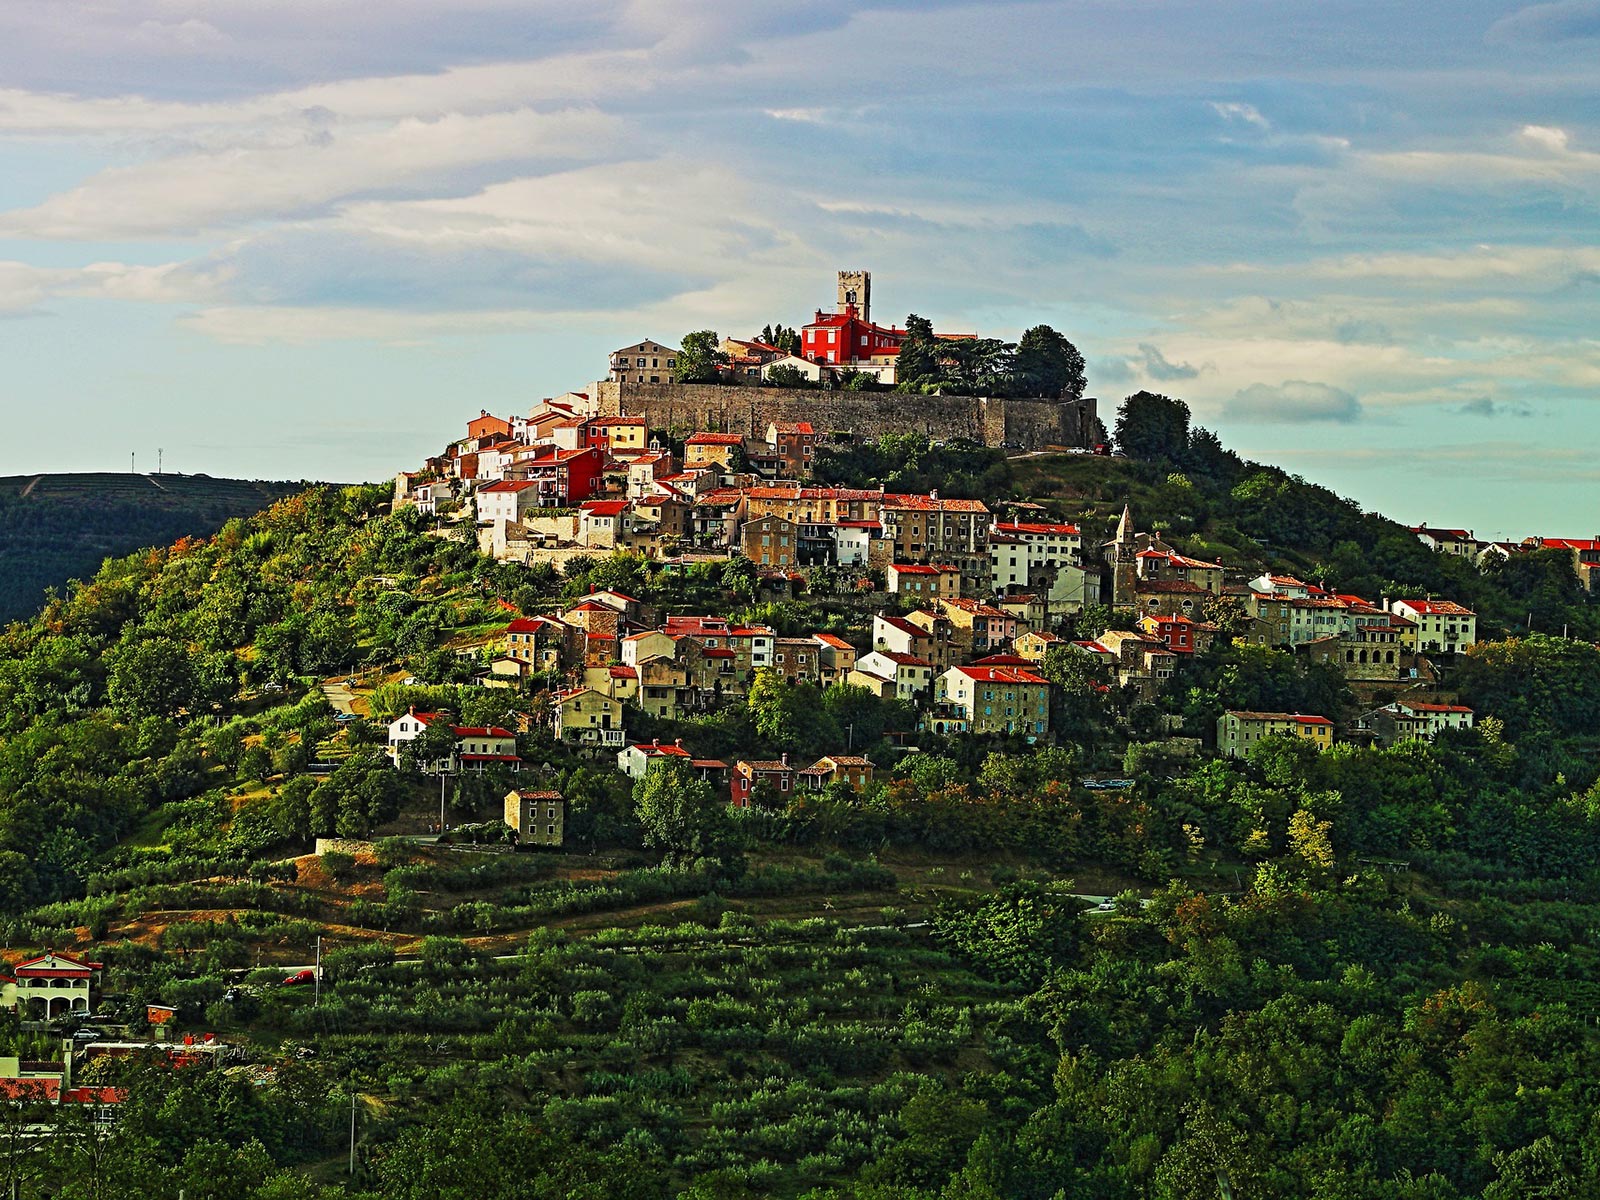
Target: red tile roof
999 674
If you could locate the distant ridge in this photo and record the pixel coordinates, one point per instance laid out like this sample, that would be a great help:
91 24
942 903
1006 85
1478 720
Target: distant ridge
56 528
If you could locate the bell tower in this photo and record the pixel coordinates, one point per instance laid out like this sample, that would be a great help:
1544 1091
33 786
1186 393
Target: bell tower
855 287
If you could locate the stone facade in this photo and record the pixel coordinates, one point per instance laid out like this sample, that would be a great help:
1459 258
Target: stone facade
749 410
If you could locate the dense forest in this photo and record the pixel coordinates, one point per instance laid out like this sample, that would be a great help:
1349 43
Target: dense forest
1367 973
56 528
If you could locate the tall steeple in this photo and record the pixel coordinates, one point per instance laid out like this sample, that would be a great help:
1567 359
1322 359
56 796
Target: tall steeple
1125 526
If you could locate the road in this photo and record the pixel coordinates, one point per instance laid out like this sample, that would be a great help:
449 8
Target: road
339 696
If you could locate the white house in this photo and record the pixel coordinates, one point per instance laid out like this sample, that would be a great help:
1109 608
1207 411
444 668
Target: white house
805 366
633 761
910 675
477 747
1442 625
506 500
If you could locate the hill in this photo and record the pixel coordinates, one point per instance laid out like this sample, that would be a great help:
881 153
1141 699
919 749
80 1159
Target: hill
56 528
1366 973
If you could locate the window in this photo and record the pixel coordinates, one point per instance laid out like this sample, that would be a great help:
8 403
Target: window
639 363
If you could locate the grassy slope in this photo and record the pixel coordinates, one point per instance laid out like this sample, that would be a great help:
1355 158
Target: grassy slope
55 528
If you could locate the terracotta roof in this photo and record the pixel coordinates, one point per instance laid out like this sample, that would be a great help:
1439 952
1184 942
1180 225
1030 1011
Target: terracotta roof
1433 708
1441 608
714 439
1038 527
1298 718
539 795
929 503
903 660
657 748
773 766
830 639
999 674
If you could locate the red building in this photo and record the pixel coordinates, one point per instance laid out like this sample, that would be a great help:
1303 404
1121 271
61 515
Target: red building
564 477
845 337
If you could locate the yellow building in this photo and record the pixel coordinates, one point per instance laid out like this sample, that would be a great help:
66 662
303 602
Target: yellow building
711 450
1240 732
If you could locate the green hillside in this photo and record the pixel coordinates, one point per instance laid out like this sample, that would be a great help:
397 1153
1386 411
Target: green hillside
55 528
1365 974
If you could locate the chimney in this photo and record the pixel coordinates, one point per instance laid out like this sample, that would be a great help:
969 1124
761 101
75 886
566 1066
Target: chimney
785 760
655 743
678 742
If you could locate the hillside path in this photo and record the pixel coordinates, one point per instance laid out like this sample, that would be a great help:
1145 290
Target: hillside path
32 483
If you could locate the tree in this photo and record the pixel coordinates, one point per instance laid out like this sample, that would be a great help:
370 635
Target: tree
680 814
700 357
739 576
1153 426
154 676
978 366
918 360
1048 365
781 338
787 376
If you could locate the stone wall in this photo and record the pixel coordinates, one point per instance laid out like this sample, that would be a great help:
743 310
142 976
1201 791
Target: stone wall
748 410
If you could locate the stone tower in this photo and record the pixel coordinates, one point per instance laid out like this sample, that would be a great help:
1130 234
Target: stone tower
855 287
1121 555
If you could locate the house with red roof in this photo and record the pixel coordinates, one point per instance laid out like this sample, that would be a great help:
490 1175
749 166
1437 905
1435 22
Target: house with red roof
634 761
50 985
712 450
1415 721
923 582
1585 556
476 747
1240 732
996 699
1442 626
893 675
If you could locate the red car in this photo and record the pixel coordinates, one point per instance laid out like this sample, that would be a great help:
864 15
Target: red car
299 977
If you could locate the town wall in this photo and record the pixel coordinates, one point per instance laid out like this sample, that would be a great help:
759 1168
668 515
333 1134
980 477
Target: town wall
720 408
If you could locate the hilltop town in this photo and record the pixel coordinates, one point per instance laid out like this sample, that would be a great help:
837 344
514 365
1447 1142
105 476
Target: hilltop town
973 611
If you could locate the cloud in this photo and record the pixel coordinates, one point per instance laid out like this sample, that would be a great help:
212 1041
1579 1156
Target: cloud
1483 406
1154 364
1234 111
298 169
1293 402
1565 20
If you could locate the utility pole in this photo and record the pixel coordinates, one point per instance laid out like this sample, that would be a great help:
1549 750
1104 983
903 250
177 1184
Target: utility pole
159 453
441 802
133 462
316 997
352 1133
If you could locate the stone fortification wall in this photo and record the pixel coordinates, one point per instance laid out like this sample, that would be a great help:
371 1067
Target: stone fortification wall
748 410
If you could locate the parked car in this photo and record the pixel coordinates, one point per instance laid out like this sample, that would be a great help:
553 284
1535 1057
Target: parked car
299 977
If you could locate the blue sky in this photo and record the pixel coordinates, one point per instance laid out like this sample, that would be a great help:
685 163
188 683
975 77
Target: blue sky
308 237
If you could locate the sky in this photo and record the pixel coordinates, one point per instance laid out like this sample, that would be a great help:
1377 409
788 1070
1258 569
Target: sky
307 238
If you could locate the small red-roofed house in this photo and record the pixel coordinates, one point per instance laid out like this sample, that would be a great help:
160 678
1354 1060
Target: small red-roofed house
634 761
921 582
